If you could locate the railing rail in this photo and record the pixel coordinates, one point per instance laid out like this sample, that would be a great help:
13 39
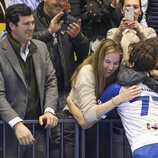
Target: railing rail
79 135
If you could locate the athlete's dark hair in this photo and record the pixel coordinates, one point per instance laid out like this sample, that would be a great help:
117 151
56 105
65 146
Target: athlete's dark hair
144 54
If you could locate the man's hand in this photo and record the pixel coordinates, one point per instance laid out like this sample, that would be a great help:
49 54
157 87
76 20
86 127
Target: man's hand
74 29
23 134
114 2
55 23
67 7
48 120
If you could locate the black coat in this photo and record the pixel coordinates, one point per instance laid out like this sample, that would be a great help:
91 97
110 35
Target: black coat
2 11
152 14
98 17
62 54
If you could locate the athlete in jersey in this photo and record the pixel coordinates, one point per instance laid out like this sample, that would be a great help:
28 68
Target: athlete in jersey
140 120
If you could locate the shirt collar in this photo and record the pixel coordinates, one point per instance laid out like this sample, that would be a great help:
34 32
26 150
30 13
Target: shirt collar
25 51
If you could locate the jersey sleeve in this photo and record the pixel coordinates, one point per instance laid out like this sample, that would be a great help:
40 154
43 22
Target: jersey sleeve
109 92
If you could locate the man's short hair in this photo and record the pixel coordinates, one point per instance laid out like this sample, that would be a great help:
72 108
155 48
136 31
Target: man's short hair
14 12
143 55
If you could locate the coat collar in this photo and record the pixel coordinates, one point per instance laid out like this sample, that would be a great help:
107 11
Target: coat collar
11 55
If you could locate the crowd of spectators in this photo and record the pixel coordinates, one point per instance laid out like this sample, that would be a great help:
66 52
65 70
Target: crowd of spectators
79 35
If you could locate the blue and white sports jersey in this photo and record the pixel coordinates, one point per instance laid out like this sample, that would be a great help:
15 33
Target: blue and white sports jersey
139 116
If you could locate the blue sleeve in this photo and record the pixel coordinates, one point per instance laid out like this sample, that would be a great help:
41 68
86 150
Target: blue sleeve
109 92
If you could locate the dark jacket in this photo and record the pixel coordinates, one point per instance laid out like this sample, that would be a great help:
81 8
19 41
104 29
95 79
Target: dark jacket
98 16
2 11
75 8
129 77
62 53
14 90
152 14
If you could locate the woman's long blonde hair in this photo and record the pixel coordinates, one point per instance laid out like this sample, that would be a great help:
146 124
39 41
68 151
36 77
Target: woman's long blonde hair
96 59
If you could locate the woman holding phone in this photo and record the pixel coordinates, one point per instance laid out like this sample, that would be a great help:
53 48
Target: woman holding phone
130 31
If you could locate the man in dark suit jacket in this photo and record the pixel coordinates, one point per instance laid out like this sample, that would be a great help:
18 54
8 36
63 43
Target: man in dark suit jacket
28 88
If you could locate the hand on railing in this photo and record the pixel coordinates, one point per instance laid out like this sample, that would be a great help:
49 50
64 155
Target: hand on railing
23 134
48 120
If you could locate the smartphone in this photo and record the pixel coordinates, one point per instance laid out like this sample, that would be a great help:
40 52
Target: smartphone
129 13
68 18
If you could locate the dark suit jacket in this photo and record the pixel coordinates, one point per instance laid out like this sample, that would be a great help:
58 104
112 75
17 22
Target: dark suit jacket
13 89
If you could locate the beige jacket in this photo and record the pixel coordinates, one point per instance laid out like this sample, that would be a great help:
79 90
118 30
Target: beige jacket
129 36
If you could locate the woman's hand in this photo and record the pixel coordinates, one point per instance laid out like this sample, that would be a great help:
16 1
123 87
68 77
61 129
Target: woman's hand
135 25
127 93
123 24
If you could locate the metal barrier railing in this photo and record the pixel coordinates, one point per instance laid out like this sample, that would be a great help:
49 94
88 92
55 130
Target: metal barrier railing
79 138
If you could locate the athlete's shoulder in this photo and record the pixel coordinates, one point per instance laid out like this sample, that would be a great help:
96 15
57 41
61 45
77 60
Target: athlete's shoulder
110 92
